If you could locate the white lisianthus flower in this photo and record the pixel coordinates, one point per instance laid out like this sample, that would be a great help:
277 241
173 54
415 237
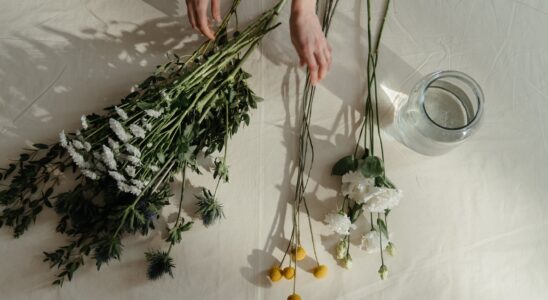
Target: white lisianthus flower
108 158
130 171
84 121
77 144
117 176
137 131
356 186
382 198
121 113
63 139
133 150
119 130
77 158
340 223
90 174
154 113
370 241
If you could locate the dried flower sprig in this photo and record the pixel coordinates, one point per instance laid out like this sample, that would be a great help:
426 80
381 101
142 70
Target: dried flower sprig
123 160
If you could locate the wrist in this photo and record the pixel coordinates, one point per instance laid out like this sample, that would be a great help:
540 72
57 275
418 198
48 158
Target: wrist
300 6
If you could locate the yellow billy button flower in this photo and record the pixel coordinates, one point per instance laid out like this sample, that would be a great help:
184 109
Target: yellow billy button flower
289 273
294 297
298 253
275 274
320 271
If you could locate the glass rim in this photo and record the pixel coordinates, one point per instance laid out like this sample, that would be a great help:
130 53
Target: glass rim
474 86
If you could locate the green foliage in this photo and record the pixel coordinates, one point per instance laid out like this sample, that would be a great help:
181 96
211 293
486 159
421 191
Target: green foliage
345 165
209 209
371 166
174 234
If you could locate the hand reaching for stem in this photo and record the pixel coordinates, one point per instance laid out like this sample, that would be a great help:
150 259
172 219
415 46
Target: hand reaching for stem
309 40
198 16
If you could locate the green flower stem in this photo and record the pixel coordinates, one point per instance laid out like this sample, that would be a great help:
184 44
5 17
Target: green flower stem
180 206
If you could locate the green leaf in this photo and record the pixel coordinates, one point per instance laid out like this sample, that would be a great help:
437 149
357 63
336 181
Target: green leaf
24 157
344 165
372 166
382 227
41 146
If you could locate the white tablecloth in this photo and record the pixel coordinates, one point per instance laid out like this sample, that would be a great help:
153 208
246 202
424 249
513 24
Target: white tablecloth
473 224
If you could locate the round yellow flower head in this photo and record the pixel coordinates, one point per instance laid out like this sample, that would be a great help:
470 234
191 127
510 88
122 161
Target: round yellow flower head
294 297
275 274
289 273
299 253
320 271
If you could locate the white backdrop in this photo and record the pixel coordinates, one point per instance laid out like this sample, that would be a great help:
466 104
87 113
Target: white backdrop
473 224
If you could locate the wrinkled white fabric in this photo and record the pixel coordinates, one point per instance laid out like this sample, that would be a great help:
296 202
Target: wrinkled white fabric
472 224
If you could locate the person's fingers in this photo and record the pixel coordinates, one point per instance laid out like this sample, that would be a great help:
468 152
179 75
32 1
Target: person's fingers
328 53
201 16
322 64
190 13
310 61
216 10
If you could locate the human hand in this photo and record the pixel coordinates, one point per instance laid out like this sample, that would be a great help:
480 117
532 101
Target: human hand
197 15
309 40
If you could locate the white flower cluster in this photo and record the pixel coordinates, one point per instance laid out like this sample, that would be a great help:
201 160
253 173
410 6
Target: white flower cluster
340 223
116 158
370 241
363 190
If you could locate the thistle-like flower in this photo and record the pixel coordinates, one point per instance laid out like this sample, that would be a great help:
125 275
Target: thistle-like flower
159 264
209 209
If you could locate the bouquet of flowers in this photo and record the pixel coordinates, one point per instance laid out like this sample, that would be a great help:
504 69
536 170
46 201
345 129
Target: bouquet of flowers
124 159
366 189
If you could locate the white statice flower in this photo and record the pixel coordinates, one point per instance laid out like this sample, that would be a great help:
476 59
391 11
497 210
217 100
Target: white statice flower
370 241
147 126
87 146
117 176
121 113
133 159
137 131
130 171
90 174
100 167
77 158
138 183
340 223
78 133
119 130
122 186
84 121
149 145
154 113
382 198
154 168
114 145
108 158
134 190
77 144
133 150
356 186
63 139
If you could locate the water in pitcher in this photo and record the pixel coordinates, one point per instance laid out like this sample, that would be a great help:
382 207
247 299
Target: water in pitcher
433 126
